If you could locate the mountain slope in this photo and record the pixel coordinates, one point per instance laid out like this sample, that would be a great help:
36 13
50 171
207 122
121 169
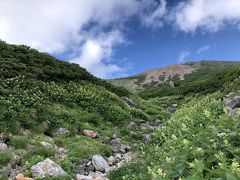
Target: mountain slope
191 78
174 75
41 96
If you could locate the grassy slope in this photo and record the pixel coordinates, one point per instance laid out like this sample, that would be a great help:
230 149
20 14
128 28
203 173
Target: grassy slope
200 141
39 94
193 83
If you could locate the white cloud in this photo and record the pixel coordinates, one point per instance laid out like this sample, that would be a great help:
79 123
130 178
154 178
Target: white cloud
78 26
155 18
208 15
183 55
59 26
96 53
203 49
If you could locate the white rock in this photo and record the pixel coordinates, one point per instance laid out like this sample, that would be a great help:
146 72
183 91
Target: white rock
3 147
47 168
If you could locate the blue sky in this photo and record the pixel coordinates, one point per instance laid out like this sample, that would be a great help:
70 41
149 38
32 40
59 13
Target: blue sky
117 38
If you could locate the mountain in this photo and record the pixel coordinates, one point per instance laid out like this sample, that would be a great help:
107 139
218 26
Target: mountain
173 75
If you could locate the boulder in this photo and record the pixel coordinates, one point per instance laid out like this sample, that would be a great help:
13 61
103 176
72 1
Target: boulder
90 133
233 102
128 101
3 147
47 168
62 132
99 163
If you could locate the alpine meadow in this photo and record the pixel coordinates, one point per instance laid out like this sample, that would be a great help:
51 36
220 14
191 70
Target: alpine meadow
120 90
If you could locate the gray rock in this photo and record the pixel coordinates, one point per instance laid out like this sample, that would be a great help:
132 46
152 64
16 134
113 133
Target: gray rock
233 102
62 132
3 147
147 138
127 157
132 125
47 168
99 163
147 126
5 137
114 136
92 176
80 168
128 101
5 171
16 160
157 122
46 145
116 142
31 149
174 105
118 157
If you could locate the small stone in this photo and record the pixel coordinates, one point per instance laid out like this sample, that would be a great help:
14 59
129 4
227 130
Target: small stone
3 147
132 125
62 132
99 163
82 177
174 105
20 177
46 145
80 169
114 136
31 149
5 137
111 160
90 133
16 160
118 157
157 122
147 126
127 157
128 101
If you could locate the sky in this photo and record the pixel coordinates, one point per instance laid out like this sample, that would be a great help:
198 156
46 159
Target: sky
118 38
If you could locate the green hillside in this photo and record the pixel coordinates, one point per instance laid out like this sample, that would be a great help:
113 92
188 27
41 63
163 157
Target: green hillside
40 94
184 128
183 79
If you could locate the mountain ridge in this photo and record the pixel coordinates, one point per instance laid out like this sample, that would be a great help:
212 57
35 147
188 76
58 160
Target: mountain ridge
172 74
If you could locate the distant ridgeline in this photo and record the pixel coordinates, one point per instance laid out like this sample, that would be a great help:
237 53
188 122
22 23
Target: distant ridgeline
182 79
16 60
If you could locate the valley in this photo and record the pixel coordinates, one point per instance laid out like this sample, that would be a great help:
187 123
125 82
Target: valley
57 121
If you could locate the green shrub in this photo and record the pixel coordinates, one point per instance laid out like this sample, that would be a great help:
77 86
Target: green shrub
131 171
5 158
200 141
19 142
